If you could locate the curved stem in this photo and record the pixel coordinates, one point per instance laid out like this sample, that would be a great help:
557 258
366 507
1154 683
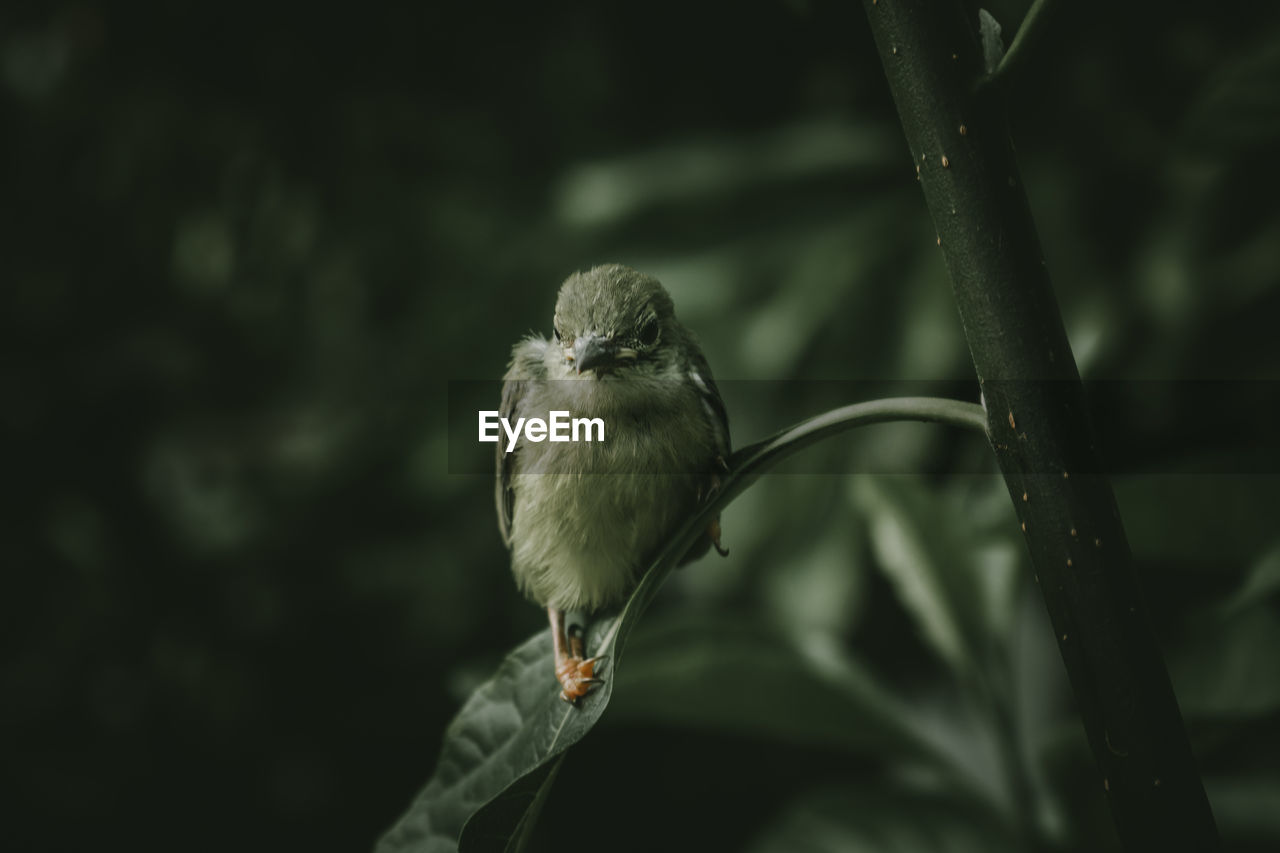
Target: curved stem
748 463
767 453
1033 24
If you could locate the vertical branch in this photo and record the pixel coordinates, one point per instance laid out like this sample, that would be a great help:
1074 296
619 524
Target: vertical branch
1037 423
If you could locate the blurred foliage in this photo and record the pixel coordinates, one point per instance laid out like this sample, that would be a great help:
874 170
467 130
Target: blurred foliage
245 248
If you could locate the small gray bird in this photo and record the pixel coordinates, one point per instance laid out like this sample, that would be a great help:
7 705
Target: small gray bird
583 518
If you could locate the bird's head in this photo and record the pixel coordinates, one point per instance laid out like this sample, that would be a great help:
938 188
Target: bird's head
612 319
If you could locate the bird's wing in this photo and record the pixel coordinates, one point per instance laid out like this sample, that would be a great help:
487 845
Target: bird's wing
712 404
526 368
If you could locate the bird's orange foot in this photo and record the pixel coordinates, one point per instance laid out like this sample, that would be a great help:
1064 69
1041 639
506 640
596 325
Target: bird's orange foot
577 677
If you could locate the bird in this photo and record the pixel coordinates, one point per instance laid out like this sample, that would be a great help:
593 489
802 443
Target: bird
581 519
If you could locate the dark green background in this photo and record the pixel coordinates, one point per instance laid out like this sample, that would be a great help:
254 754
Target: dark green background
244 249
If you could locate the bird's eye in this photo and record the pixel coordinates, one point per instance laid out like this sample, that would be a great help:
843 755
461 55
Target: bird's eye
557 334
649 332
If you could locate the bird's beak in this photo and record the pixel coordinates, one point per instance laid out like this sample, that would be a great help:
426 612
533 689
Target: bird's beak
592 351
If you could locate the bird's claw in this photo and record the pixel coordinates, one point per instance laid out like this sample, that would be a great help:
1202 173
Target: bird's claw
713 533
708 489
578 677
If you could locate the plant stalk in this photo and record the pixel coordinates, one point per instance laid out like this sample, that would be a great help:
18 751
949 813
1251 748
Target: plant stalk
1037 423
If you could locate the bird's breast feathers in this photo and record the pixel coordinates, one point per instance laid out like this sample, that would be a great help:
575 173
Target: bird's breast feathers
586 514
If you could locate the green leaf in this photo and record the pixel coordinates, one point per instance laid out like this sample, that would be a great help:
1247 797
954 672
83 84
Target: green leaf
992 44
497 754
1212 518
1229 667
1229 133
500 751
1245 805
1226 666
880 820
743 676
1262 582
1239 108
705 672
936 567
